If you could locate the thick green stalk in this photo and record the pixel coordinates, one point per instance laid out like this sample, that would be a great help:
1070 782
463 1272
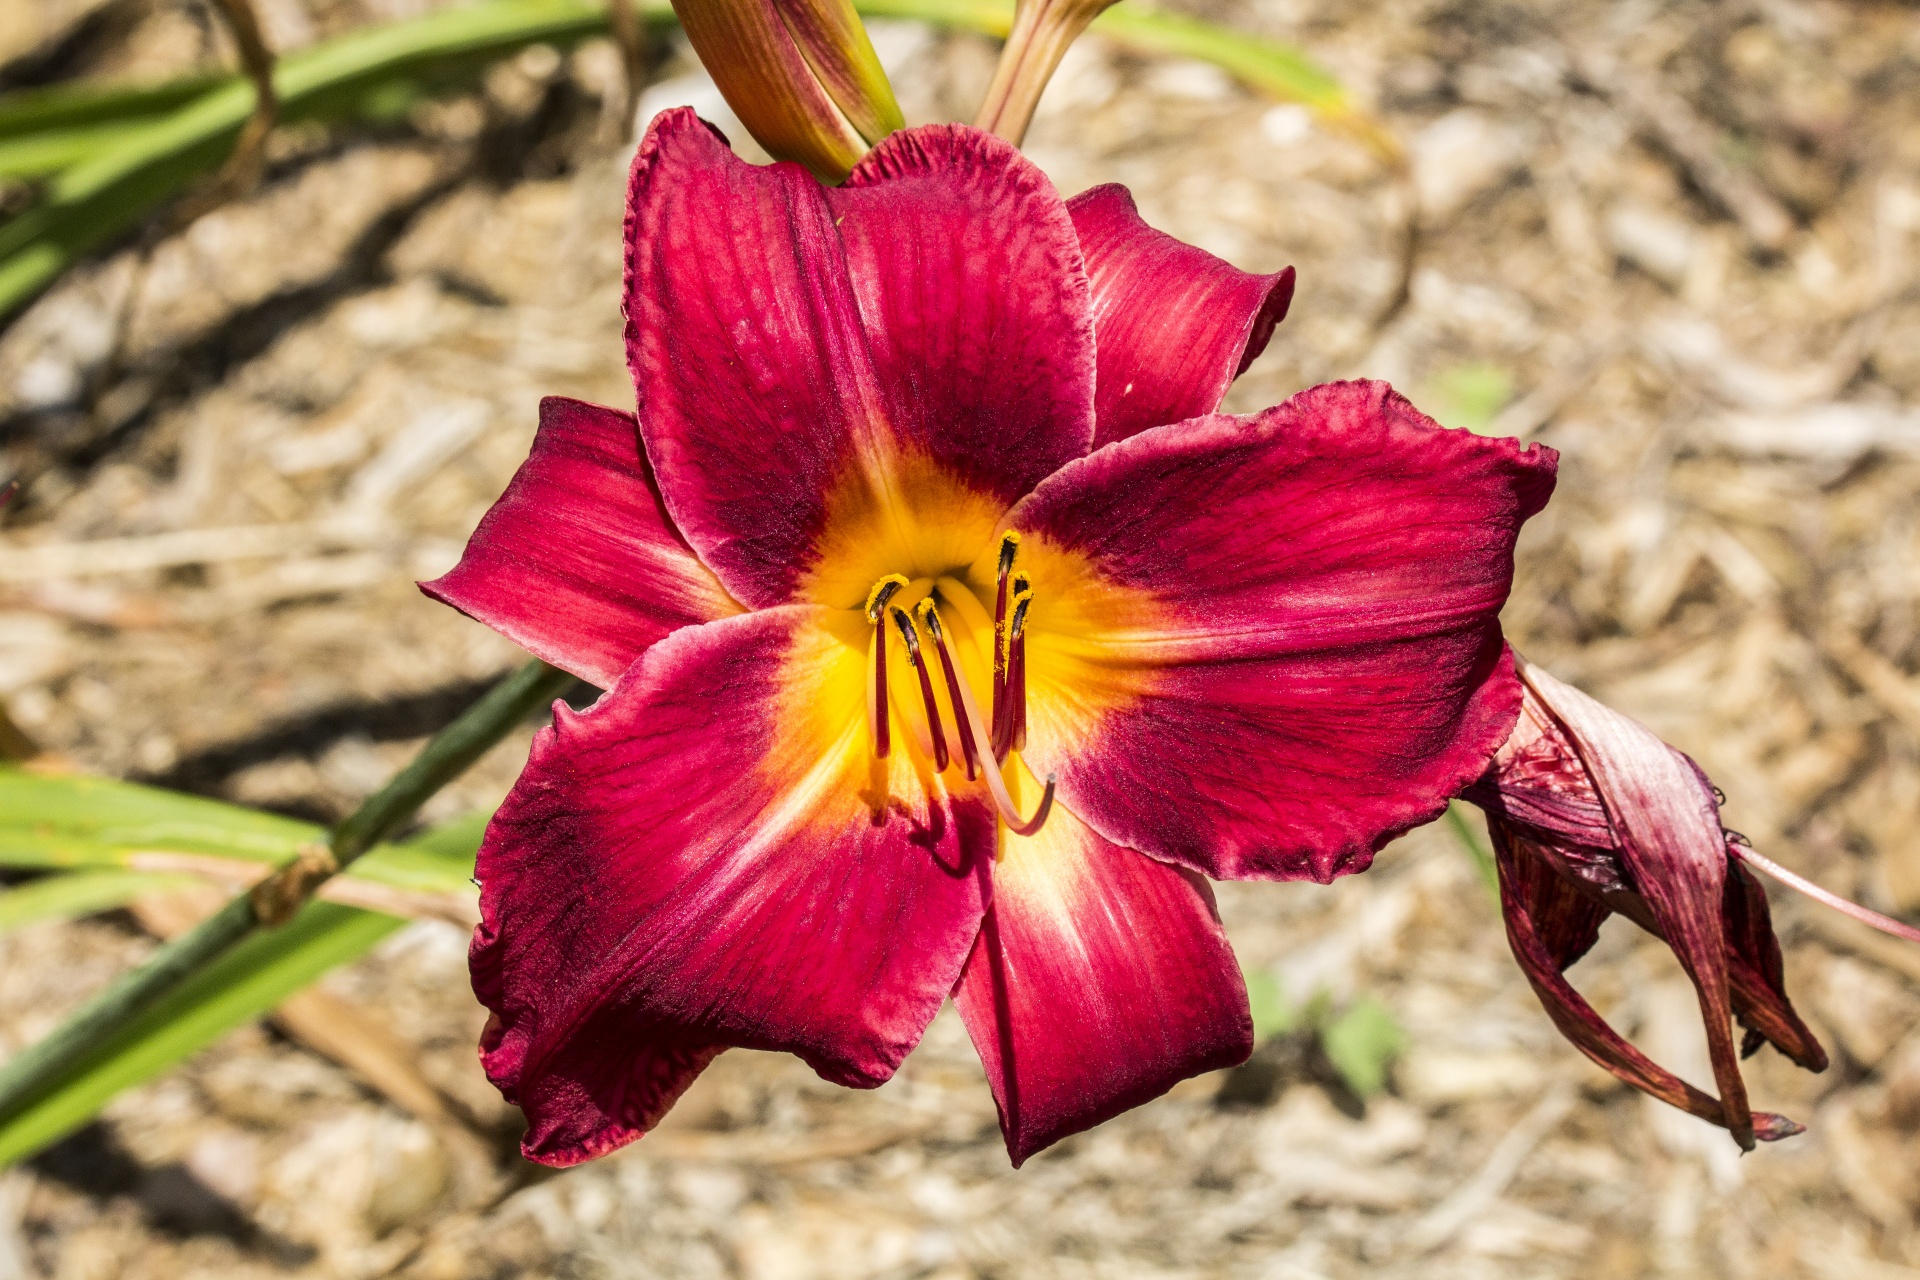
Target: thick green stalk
38 1067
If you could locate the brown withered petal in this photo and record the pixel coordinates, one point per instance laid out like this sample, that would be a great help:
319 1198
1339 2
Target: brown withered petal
1550 924
1592 814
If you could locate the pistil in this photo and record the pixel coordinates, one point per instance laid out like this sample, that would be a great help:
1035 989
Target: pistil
968 714
878 716
912 637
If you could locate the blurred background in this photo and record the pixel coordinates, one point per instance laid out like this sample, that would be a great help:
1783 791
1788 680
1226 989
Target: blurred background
1679 242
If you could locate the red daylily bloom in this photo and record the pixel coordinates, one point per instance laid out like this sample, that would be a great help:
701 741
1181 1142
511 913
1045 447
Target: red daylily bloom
926 502
1592 814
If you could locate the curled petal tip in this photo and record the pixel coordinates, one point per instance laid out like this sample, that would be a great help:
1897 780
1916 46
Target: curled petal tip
1768 1127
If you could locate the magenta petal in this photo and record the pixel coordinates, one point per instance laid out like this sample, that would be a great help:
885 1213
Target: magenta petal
602 1088
758 304
577 563
1101 978
971 287
1325 668
745 343
696 861
1175 324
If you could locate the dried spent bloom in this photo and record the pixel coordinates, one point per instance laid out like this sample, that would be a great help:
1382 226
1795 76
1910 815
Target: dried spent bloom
952 640
1592 814
801 75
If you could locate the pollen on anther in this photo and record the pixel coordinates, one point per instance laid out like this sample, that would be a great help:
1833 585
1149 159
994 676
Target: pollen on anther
929 616
1016 620
881 592
1009 548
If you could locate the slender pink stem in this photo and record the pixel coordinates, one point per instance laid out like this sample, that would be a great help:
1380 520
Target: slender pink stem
1883 923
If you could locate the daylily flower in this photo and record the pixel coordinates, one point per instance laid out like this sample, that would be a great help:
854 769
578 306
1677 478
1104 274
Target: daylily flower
1592 814
951 640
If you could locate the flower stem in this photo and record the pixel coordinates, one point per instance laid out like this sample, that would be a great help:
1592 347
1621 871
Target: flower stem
1042 31
1476 850
33 1070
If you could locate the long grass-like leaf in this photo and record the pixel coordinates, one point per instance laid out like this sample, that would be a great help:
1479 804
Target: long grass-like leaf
66 895
53 822
126 177
72 106
95 201
243 985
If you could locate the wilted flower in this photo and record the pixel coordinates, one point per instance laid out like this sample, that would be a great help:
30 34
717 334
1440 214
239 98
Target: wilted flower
801 75
895 534
1592 814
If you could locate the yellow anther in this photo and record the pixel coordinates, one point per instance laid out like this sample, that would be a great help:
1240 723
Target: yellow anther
1016 621
882 592
1009 547
1019 626
908 634
929 616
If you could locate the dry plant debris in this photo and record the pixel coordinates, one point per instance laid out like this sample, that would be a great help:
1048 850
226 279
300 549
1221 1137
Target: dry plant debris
1678 241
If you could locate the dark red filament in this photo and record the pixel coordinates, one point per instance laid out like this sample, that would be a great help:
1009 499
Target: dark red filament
882 715
1017 676
932 619
1008 694
912 638
1009 547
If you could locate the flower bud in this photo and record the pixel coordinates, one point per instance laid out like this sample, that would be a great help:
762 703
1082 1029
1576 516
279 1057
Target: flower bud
801 75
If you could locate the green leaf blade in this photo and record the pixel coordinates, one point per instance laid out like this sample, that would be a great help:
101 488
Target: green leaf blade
244 984
81 893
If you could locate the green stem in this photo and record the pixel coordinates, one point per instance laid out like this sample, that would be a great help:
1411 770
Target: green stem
1476 850
38 1067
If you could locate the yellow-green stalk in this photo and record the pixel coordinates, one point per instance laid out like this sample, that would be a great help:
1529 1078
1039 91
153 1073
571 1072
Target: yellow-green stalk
1042 30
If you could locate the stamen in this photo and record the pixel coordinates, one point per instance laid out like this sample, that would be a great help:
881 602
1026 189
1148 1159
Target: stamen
878 715
930 619
969 716
881 592
1007 693
912 637
1017 672
1009 548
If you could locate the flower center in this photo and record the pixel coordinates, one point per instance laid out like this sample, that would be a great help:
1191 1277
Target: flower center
905 614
